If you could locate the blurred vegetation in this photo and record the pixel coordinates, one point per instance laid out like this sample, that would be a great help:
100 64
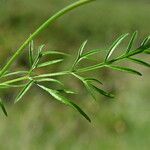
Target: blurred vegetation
39 122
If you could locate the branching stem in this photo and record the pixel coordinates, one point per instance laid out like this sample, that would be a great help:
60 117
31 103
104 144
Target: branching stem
40 29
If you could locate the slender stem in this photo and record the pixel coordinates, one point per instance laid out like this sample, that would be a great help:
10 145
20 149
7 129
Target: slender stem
40 29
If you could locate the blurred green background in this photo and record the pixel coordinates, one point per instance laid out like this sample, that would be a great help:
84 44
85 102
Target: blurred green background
41 123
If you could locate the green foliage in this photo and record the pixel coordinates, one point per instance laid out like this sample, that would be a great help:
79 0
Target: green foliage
24 90
31 77
134 36
3 107
114 46
58 96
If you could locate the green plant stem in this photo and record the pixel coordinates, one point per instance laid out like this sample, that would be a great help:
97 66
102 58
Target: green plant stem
40 29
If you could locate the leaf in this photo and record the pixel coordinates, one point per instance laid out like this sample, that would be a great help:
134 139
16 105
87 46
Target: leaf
92 52
145 41
134 36
139 62
35 63
3 108
101 91
93 67
79 55
135 52
66 91
57 95
4 86
49 63
37 58
93 79
124 69
52 74
15 73
147 51
24 90
31 47
82 48
53 53
89 90
86 84
40 49
114 46
49 80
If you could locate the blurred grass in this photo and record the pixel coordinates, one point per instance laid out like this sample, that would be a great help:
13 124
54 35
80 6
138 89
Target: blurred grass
41 123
